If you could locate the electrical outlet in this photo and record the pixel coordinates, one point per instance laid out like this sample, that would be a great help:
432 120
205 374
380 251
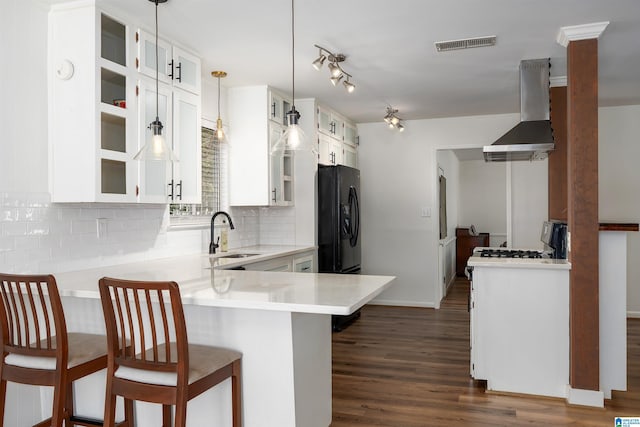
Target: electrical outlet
426 212
101 228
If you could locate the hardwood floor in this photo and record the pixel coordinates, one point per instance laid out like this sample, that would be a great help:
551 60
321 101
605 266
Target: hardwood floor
406 367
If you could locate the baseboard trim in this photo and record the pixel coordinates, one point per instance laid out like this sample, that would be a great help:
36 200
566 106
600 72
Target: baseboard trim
633 314
400 303
576 396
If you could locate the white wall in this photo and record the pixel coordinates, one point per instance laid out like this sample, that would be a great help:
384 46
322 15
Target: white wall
483 198
529 201
398 174
618 181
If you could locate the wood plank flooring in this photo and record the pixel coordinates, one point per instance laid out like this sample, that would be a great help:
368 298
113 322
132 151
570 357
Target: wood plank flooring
409 367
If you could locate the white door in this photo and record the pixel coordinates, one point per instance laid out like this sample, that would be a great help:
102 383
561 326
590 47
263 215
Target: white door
187 178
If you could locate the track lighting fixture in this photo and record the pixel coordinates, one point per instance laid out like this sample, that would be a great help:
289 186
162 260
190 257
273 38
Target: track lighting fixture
393 121
336 71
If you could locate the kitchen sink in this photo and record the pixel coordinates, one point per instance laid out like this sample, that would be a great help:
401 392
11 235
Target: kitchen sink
238 256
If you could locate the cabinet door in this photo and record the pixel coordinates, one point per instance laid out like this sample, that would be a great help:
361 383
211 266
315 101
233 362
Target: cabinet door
324 150
185 70
154 175
336 152
350 133
303 264
277 264
349 155
278 108
187 178
325 125
146 60
281 171
337 124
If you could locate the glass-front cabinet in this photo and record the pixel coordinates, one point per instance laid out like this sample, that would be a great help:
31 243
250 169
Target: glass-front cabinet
100 107
91 107
256 176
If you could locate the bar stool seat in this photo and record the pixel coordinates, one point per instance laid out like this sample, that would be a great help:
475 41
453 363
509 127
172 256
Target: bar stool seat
83 348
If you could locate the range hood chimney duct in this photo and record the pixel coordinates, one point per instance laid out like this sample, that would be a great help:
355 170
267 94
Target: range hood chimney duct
532 138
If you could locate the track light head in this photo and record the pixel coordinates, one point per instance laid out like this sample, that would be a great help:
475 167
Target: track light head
349 86
335 80
317 64
334 69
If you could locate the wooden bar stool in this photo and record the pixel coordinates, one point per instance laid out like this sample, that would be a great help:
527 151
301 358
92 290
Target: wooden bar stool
37 350
149 357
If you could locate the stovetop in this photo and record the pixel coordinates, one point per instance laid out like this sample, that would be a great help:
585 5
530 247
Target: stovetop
510 253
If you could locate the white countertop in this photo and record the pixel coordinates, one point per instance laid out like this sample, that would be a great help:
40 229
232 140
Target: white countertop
535 263
201 283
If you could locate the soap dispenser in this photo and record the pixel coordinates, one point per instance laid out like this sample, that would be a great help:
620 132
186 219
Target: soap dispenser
224 237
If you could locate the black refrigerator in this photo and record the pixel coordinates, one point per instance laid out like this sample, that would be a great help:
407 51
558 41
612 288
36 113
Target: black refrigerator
339 226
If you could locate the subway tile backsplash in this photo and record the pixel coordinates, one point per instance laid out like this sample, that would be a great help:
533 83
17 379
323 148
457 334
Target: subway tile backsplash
37 236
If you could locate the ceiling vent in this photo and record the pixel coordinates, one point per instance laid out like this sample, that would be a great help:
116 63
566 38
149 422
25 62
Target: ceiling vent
465 43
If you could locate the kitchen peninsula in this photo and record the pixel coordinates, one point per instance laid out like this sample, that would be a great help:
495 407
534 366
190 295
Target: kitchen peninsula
280 321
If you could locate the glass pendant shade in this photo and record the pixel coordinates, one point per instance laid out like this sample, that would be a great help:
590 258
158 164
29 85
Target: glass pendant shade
293 139
220 135
156 148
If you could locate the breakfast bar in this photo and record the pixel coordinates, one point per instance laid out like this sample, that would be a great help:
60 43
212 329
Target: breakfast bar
280 321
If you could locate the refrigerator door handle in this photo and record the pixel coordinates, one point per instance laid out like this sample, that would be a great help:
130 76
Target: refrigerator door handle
354 207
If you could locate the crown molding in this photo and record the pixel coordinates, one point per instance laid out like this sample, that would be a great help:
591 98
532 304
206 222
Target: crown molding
580 32
558 81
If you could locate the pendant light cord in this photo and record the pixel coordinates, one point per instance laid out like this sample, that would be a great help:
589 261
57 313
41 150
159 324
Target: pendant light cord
293 58
218 96
157 94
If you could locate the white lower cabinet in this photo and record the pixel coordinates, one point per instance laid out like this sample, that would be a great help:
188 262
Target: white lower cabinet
276 264
299 263
303 264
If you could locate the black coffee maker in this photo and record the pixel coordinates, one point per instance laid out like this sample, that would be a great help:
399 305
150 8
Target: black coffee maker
554 237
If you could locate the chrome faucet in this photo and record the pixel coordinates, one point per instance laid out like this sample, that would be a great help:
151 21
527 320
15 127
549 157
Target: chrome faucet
213 245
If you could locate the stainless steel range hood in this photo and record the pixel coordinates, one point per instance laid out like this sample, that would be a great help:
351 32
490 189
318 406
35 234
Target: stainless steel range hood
532 138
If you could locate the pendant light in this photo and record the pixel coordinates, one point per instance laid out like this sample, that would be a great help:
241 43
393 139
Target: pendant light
156 148
219 131
293 138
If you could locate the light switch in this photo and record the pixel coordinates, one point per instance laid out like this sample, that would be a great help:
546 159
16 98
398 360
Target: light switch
426 212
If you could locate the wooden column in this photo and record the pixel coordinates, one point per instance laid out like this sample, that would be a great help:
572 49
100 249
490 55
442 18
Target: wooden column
558 158
582 155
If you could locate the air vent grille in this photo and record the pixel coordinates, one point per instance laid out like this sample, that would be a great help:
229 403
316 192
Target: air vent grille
465 43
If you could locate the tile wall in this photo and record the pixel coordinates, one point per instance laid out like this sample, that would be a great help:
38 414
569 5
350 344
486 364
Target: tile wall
38 236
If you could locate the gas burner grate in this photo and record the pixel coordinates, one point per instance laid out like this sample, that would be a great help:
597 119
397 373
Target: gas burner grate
510 253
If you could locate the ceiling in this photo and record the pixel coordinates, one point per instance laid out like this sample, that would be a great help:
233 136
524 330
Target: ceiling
390 48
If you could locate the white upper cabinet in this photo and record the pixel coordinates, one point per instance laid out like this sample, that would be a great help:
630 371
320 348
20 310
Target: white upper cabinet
154 175
186 179
279 106
256 177
176 66
337 139
100 107
92 115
